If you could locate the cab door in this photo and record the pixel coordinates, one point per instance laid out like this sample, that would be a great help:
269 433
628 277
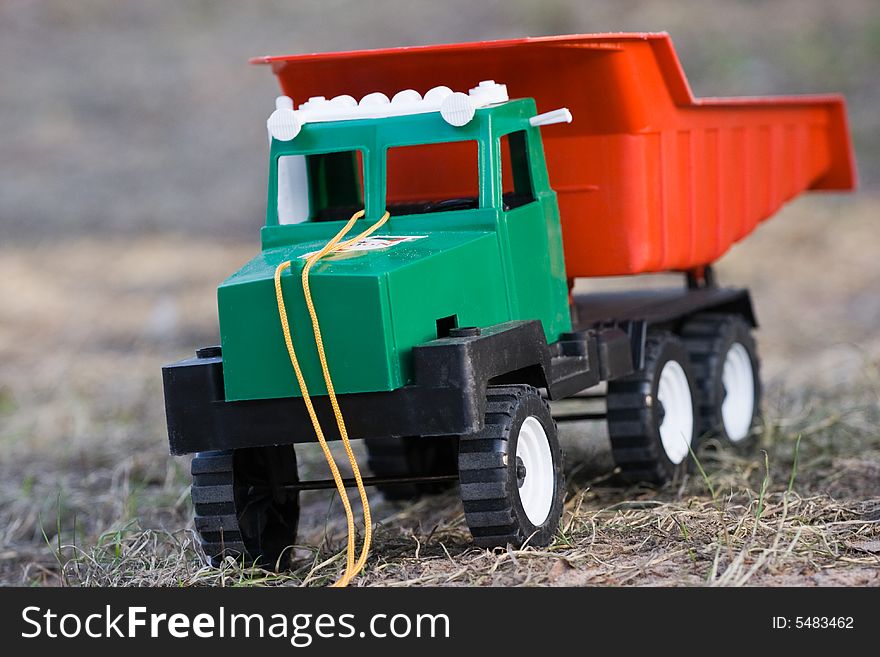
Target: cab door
529 223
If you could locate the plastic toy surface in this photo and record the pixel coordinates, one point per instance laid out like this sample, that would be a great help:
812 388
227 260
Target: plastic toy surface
481 179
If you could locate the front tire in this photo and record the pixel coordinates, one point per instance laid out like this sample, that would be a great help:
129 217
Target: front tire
651 414
242 507
512 483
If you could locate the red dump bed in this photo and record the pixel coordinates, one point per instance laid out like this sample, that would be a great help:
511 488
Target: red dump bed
649 178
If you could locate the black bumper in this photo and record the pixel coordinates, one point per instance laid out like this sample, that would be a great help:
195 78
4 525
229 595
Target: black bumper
447 398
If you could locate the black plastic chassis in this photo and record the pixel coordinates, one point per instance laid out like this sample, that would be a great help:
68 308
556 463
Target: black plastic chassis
447 396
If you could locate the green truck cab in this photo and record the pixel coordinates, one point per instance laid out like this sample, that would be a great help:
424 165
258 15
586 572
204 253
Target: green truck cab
478 260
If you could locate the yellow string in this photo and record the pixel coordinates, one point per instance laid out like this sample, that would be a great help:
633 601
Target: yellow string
352 567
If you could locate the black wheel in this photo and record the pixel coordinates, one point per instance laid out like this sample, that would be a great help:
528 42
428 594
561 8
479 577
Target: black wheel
726 365
413 456
651 414
242 508
512 482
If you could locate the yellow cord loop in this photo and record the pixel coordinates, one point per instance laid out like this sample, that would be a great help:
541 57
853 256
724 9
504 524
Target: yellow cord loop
352 567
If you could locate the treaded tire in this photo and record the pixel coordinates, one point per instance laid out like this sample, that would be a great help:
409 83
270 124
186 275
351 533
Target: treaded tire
241 508
708 339
490 483
635 415
412 456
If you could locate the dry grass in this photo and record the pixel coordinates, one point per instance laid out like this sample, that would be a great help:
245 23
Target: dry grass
757 526
88 495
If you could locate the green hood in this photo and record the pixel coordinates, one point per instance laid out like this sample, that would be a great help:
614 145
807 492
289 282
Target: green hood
373 307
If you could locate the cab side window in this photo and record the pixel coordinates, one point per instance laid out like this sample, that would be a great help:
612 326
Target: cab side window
516 176
336 185
320 187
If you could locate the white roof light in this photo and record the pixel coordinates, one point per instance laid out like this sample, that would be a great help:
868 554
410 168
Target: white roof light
436 95
457 109
407 96
489 92
283 123
375 99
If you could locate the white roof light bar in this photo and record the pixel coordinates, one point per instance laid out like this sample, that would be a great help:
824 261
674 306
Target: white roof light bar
456 108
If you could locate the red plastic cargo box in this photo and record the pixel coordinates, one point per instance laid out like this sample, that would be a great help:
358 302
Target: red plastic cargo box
649 178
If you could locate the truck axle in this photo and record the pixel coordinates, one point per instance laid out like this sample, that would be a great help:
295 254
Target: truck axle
349 482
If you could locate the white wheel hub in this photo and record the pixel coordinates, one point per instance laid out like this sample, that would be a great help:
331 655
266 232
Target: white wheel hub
539 481
738 405
677 425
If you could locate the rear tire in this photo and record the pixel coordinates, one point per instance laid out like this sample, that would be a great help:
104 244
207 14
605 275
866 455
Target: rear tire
725 358
242 508
512 482
412 456
651 414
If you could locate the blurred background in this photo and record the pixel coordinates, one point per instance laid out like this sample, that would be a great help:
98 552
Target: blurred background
139 117
132 181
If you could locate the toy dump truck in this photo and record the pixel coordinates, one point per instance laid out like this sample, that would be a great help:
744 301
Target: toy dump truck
448 331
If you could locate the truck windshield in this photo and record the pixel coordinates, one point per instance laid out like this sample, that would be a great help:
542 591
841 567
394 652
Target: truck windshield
320 187
432 178
419 179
